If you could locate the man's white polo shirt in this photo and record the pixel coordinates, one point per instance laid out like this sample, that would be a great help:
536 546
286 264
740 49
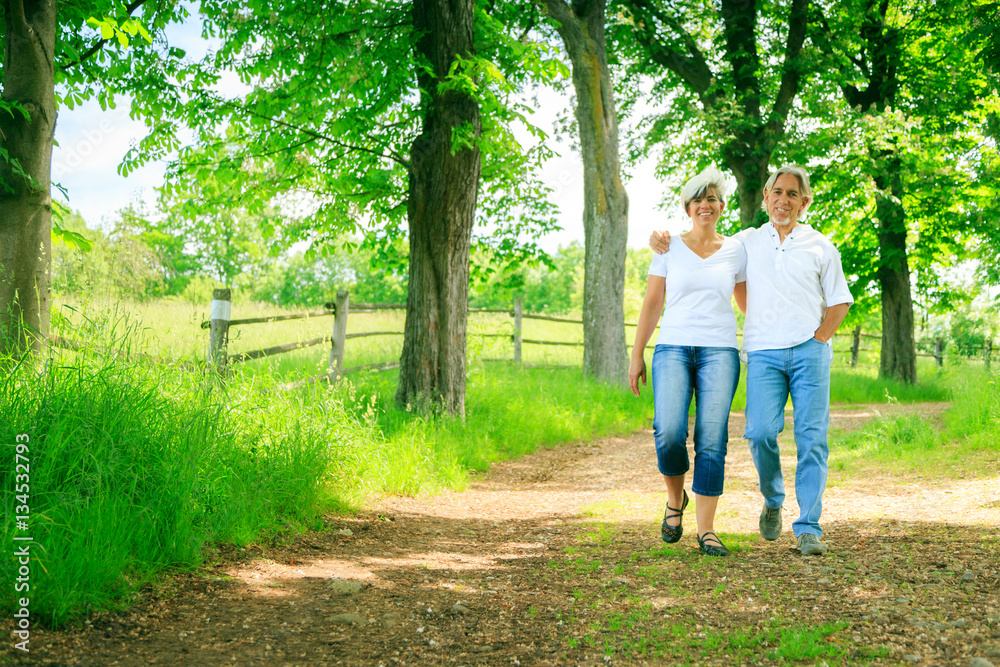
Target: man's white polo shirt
789 286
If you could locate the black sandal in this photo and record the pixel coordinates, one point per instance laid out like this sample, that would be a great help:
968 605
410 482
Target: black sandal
711 549
671 534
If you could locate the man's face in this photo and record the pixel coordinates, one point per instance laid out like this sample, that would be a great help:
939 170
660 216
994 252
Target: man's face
784 201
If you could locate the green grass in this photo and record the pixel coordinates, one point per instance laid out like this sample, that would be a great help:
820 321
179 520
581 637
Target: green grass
170 328
636 633
862 385
509 412
135 467
914 442
782 644
975 408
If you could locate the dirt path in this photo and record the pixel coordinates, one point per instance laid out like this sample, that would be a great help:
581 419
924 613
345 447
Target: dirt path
555 559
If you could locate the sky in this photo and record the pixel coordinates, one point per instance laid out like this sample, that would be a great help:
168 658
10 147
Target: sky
91 143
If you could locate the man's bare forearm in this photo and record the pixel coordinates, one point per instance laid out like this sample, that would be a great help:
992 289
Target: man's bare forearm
834 316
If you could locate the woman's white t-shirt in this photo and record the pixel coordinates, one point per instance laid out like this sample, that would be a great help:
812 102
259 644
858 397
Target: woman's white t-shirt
698 310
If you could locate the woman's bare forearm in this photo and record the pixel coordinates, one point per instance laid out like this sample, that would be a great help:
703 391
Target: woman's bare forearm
649 316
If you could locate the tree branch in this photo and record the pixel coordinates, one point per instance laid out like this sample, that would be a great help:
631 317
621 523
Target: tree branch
693 69
390 154
89 53
571 28
218 163
356 31
821 38
532 22
792 74
740 27
560 11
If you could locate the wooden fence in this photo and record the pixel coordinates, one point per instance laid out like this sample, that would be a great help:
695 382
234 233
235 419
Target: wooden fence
220 322
937 354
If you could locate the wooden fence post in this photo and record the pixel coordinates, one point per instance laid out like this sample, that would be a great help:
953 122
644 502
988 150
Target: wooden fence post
989 352
517 330
218 337
939 351
336 366
855 346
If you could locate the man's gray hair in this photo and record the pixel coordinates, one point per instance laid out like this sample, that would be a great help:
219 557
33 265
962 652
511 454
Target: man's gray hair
799 173
699 185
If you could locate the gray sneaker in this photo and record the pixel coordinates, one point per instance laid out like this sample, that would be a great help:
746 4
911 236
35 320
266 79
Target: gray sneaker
770 523
810 545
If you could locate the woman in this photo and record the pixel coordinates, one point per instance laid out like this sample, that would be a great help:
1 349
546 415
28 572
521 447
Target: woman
696 353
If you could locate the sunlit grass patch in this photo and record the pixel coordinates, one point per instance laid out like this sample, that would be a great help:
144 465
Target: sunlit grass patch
599 534
912 442
627 505
863 385
975 408
784 644
509 412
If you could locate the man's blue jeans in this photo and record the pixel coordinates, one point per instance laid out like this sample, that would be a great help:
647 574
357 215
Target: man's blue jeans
711 373
804 372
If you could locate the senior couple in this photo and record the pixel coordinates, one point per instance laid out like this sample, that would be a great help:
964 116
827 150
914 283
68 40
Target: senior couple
788 280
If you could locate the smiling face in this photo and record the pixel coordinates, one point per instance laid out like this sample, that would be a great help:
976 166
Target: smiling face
706 209
785 201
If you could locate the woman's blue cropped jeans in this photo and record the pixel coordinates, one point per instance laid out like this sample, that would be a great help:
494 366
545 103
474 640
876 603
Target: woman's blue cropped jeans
711 375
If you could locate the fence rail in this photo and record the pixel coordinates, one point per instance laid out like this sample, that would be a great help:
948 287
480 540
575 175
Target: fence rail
275 318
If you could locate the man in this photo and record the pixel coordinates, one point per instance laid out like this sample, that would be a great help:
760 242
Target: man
796 298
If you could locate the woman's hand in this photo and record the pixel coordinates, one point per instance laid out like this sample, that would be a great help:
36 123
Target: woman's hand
636 370
659 242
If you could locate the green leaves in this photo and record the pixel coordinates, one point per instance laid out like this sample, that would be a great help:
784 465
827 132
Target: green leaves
71 239
908 129
12 107
110 29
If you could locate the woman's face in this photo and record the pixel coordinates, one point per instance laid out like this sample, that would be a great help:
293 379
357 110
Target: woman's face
705 210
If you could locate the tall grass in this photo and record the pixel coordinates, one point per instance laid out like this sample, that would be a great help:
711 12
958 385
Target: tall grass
863 385
169 328
975 407
134 467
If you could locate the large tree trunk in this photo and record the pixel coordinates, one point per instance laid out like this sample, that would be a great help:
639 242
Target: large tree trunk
605 212
750 178
442 203
25 203
898 357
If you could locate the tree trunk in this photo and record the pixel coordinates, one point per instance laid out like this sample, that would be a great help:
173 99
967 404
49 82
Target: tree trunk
443 185
605 213
898 359
25 203
750 178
